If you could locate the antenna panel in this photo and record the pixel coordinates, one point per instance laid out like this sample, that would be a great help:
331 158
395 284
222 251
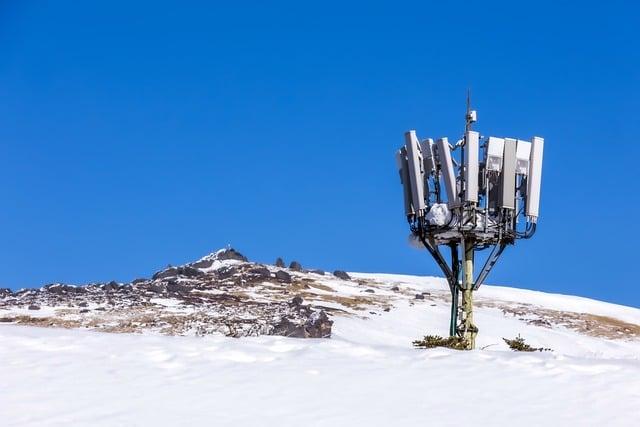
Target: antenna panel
508 176
471 166
535 178
448 174
494 154
416 172
403 169
523 152
428 155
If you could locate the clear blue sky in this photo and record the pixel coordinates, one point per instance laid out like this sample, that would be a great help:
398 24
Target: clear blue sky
138 134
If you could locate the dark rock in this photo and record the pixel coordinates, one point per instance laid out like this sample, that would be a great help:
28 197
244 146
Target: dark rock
83 304
156 288
287 328
84 310
283 276
419 296
185 271
230 253
260 272
191 272
395 288
138 281
5 292
111 287
371 291
169 272
297 300
295 266
226 272
5 320
386 309
34 307
341 275
280 262
179 288
320 272
318 325
60 289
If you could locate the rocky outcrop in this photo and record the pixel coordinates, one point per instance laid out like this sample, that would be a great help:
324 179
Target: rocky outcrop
342 275
222 293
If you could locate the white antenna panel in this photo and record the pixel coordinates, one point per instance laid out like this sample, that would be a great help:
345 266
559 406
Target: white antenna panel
416 172
495 153
523 152
535 178
448 174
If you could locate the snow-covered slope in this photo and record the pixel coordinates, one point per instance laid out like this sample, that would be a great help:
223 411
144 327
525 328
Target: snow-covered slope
366 374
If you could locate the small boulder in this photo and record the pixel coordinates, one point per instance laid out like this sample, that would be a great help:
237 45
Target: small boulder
34 307
341 275
419 296
295 266
320 272
297 300
280 263
371 291
260 272
283 276
395 288
318 325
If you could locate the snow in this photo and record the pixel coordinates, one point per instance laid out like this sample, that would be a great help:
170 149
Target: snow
366 374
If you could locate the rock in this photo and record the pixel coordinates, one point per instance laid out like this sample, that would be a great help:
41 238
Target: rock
169 272
226 272
341 275
138 281
203 263
280 263
295 266
260 272
287 328
395 288
84 310
318 325
230 253
371 291
386 309
60 289
320 272
175 287
111 287
419 296
83 304
34 307
297 300
283 276
5 292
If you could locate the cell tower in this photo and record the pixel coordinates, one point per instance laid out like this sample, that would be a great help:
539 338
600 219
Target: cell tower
488 201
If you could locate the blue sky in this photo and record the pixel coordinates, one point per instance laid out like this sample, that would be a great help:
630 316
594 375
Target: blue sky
139 134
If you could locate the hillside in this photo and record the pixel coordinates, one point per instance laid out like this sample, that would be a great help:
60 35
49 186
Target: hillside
363 372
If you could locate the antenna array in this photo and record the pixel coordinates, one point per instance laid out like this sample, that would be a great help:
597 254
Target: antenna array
479 193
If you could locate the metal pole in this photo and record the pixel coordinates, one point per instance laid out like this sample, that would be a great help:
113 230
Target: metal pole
469 329
455 268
